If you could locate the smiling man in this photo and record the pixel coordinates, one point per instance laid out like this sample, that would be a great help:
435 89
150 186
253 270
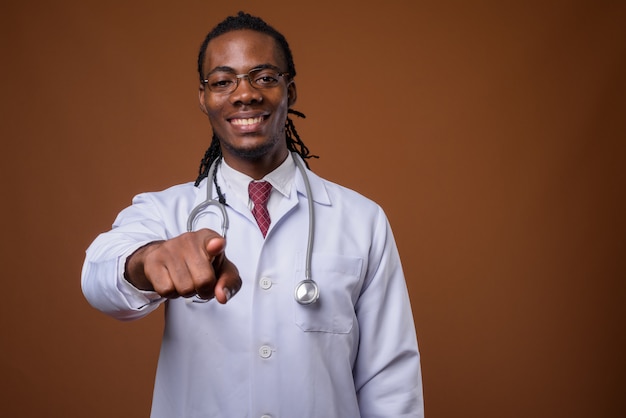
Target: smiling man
249 120
305 313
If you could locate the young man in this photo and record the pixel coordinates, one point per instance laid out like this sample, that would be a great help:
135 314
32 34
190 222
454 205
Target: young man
240 340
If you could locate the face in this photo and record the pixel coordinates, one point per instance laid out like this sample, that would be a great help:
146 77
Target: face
249 122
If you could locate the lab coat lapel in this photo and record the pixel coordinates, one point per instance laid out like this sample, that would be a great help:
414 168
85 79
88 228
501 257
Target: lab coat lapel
320 195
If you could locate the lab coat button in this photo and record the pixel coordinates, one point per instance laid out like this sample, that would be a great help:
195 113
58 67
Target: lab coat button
265 283
265 351
266 416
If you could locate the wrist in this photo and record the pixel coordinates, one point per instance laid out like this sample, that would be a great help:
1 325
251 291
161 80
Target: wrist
134 271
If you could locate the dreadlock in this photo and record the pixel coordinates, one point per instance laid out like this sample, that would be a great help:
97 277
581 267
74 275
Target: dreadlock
246 21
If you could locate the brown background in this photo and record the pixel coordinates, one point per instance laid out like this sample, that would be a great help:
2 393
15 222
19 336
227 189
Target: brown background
493 134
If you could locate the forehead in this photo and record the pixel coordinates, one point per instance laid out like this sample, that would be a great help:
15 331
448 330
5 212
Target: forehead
242 50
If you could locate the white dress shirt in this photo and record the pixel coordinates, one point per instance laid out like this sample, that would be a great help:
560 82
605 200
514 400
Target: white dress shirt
351 354
281 180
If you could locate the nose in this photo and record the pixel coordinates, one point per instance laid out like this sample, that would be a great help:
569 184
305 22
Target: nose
244 92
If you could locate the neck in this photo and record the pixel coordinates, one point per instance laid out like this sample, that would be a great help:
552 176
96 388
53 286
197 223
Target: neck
257 168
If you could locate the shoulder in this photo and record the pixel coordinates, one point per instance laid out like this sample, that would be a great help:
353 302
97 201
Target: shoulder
173 200
342 197
167 204
176 193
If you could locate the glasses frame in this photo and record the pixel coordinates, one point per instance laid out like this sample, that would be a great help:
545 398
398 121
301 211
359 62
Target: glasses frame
238 78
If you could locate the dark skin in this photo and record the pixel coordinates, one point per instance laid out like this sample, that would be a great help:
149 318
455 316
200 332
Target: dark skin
250 125
191 264
259 147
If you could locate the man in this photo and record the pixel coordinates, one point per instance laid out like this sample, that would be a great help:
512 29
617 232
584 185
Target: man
237 343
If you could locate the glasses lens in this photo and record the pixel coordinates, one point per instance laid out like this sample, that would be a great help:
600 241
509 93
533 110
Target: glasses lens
226 82
264 78
222 82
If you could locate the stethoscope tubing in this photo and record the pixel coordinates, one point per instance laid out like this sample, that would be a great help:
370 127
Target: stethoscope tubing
209 202
307 290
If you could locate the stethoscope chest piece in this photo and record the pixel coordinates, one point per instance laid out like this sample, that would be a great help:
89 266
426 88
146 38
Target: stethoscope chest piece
307 292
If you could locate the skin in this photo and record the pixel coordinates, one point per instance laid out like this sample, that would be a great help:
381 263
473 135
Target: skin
259 148
194 263
191 264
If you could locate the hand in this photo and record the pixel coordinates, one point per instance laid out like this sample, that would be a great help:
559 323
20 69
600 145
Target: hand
191 264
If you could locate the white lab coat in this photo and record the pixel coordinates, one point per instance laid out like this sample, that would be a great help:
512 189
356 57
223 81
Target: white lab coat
353 353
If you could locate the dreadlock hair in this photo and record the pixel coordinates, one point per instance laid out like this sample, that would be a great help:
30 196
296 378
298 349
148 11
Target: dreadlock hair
246 21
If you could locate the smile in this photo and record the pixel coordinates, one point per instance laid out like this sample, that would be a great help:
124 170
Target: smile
247 121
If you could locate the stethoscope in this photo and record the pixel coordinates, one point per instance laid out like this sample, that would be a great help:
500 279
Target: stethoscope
306 291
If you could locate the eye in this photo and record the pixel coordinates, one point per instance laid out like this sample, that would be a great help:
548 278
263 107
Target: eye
265 78
221 81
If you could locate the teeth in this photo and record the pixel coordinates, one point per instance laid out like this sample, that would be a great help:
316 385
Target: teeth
248 121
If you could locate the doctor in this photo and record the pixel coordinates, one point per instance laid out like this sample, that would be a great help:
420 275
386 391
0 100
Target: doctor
236 342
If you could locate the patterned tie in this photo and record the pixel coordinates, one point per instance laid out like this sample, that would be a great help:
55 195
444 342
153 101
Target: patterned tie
259 192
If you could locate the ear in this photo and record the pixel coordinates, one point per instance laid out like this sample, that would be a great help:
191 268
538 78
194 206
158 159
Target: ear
201 98
292 93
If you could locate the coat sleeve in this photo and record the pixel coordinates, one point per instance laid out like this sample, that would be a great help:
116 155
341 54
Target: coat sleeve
387 372
102 280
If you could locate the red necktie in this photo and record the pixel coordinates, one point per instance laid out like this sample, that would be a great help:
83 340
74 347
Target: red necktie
259 192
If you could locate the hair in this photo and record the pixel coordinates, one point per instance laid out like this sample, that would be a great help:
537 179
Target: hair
239 22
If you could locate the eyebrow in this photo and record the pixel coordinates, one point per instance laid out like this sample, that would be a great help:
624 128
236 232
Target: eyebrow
227 69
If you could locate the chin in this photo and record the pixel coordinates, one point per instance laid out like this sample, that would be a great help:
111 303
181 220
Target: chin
251 148
250 151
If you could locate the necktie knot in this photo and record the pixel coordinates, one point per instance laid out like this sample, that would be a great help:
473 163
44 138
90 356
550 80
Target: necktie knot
259 192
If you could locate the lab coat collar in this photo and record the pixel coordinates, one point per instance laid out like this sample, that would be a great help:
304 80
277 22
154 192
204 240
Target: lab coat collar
320 194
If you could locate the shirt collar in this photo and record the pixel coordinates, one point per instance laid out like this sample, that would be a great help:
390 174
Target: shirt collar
281 179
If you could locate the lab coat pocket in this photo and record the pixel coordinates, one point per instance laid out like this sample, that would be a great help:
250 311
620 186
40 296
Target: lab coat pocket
338 277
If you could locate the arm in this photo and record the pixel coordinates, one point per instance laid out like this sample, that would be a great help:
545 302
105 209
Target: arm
131 269
387 372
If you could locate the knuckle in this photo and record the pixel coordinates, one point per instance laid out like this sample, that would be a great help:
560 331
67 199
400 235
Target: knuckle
166 291
186 291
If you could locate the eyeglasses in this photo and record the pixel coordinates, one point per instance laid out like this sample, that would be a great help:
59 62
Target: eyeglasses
226 82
